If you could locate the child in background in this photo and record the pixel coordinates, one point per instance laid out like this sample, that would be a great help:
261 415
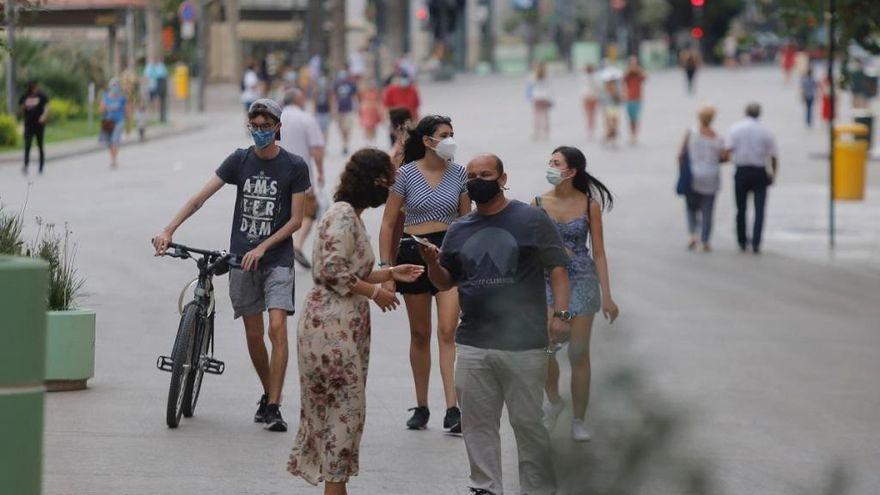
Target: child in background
140 117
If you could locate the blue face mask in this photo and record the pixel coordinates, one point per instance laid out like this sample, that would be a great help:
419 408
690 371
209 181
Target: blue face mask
263 139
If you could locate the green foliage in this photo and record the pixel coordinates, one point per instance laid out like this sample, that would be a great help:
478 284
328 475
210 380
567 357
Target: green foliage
65 284
858 21
61 110
63 70
11 240
651 14
8 130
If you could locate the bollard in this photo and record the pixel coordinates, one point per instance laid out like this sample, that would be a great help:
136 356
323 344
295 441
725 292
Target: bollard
181 81
23 288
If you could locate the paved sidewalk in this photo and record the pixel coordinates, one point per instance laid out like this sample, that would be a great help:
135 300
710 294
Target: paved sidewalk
773 359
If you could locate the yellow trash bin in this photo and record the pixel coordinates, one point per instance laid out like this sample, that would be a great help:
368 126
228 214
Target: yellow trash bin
850 156
181 81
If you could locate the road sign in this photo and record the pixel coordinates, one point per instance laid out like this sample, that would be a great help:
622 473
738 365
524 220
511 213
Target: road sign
186 12
187 30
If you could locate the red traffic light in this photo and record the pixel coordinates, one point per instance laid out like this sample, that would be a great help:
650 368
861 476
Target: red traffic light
422 14
698 3
697 32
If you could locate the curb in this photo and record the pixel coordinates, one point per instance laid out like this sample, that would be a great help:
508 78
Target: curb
91 145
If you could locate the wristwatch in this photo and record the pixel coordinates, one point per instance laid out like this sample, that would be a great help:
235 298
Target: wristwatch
564 315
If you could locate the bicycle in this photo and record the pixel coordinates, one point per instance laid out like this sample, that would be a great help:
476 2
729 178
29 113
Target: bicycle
193 353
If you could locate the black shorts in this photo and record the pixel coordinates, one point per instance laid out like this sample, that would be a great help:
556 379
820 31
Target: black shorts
408 254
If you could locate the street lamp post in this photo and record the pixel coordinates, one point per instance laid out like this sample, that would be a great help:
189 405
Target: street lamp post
10 61
832 7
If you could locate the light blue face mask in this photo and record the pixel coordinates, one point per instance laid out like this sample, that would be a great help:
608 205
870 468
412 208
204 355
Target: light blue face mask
262 139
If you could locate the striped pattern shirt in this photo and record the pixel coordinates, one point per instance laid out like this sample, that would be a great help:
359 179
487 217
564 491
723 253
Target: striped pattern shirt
423 203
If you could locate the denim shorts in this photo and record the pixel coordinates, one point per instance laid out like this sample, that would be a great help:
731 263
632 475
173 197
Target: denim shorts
261 290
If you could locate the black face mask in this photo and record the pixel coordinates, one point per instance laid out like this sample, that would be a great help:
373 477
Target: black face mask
378 196
483 191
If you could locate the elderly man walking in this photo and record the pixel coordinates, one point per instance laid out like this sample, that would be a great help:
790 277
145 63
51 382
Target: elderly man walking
752 146
497 256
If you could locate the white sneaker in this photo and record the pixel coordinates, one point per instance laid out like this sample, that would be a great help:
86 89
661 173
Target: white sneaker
579 431
552 410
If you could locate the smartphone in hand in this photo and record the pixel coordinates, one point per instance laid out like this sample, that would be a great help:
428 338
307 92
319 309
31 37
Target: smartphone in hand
422 241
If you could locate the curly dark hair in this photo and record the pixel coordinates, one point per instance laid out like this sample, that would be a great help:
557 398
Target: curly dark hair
365 181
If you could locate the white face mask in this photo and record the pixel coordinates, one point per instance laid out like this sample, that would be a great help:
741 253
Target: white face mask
446 148
554 176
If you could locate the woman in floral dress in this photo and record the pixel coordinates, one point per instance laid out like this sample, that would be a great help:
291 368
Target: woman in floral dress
333 342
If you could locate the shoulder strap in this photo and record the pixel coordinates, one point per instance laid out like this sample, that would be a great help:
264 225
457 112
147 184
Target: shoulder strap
538 202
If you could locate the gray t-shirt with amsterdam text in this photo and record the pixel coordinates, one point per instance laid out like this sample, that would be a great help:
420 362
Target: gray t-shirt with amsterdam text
263 200
498 263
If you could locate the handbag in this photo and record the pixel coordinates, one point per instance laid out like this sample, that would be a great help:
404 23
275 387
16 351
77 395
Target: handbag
107 125
685 176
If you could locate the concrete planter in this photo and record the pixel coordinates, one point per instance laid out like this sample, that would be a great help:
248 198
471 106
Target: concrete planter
23 283
70 349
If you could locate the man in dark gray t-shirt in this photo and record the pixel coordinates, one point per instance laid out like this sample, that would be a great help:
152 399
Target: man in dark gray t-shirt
497 256
268 209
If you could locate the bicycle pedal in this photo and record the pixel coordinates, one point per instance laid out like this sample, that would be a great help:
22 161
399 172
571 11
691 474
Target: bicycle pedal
164 363
214 366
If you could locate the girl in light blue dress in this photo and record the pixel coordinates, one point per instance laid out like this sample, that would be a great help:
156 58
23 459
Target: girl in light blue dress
575 204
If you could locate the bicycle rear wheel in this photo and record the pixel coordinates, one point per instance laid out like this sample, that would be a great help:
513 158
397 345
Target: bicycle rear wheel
194 380
182 363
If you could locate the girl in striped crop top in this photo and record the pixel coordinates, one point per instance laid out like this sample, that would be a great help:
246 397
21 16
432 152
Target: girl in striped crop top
430 192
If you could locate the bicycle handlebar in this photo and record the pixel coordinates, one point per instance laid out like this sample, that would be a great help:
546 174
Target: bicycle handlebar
216 258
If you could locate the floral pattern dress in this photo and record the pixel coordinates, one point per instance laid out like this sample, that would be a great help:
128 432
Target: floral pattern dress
333 347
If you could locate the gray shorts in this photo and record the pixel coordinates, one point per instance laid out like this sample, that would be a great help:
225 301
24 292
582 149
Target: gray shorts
261 290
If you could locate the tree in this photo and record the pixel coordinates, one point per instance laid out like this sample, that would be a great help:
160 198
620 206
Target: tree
858 21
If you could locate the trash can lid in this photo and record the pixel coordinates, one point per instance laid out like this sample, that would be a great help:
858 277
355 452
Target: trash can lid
854 129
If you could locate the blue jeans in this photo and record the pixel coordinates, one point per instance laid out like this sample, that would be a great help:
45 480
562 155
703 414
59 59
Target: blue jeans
700 209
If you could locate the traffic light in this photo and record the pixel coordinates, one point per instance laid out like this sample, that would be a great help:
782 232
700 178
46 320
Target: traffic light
698 3
697 8
697 32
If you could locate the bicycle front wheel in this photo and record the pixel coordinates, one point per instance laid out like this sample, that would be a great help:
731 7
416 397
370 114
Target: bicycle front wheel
194 380
182 364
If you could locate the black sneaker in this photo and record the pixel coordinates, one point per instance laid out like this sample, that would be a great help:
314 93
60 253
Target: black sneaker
419 419
477 491
452 421
274 421
260 415
300 258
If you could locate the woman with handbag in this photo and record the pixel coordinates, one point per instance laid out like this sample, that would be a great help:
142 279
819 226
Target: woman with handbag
114 112
700 159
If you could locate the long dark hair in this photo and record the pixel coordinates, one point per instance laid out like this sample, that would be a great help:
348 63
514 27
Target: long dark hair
583 181
414 147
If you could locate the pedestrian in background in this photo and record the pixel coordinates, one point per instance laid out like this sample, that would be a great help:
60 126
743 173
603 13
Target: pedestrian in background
809 88
369 108
400 120
34 106
322 96
250 86
430 192
301 135
690 61
541 96
633 79
114 110
402 92
333 337
344 96
611 99
825 91
705 154
788 59
497 257
575 204
751 147
157 85
591 91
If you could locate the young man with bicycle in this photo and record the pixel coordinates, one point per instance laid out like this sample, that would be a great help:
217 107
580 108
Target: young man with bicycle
268 210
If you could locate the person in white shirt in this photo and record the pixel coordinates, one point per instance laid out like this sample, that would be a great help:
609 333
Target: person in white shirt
751 147
302 136
250 86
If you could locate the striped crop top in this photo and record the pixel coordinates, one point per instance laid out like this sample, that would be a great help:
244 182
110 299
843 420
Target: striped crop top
421 202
